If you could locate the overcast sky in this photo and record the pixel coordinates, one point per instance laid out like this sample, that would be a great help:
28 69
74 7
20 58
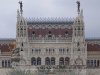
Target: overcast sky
49 8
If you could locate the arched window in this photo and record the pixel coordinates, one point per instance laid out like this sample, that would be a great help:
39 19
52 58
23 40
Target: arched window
67 61
66 32
33 32
38 61
52 61
2 63
46 50
53 50
94 63
98 63
5 63
61 61
39 51
88 63
91 63
47 61
9 63
22 44
63 50
33 61
67 50
32 50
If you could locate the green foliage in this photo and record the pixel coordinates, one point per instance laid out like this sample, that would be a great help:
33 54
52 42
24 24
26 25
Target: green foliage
17 72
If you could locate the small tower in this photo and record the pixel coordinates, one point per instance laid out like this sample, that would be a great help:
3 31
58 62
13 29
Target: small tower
79 46
22 36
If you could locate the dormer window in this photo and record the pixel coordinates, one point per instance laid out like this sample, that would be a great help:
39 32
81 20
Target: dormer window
33 34
49 34
66 33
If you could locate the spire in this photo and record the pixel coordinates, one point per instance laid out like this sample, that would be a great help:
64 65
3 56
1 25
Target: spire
78 7
21 7
81 13
18 14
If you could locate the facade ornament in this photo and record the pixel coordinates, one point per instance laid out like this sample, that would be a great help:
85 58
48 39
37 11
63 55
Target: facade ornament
21 7
78 5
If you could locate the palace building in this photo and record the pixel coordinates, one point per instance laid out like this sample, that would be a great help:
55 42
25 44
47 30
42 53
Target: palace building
54 43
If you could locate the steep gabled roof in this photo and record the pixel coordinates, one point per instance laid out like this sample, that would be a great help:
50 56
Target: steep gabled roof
68 21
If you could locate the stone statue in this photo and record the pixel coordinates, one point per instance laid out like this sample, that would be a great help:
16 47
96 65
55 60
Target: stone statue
21 6
78 4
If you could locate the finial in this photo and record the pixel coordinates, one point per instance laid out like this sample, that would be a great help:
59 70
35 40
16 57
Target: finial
78 5
21 6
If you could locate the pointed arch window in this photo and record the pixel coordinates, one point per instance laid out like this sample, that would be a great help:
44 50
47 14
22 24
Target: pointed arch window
9 63
46 50
91 63
94 63
53 50
3 63
98 63
67 50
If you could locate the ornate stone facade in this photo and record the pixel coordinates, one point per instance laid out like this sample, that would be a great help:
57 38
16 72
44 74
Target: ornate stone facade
55 44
